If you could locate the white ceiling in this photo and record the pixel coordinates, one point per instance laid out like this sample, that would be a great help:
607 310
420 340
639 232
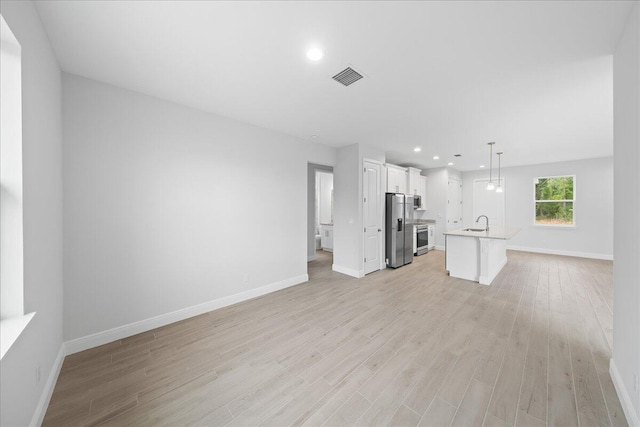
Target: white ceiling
536 77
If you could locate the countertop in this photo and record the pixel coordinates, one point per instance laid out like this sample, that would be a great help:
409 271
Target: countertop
493 233
423 222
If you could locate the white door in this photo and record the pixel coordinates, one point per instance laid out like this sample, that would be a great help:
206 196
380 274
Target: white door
489 203
372 216
454 204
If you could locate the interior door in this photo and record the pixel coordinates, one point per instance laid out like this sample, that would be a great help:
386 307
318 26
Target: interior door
454 206
372 216
489 203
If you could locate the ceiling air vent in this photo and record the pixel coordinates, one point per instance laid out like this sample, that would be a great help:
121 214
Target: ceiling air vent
347 76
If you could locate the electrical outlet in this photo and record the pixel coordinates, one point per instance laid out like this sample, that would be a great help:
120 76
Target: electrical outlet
38 374
246 277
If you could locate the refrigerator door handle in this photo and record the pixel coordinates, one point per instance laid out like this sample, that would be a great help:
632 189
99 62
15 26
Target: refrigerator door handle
399 224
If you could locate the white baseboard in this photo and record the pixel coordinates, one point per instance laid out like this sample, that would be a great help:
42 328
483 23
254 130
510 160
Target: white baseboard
348 271
311 258
439 248
47 392
625 399
100 338
561 252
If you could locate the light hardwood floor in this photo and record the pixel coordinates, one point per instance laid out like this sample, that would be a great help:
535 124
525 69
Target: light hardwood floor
399 347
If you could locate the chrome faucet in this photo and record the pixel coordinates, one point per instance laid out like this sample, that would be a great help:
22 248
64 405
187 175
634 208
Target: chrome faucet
485 217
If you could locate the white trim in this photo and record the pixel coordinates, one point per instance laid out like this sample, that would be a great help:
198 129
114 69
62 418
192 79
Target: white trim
378 162
557 227
348 271
381 241
47 392
590 255
100 338
11 329
401 168
311 258
568 226
439 247
625 399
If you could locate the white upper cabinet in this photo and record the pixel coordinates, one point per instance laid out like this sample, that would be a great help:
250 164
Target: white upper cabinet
396 179
413 182
417 185
422 191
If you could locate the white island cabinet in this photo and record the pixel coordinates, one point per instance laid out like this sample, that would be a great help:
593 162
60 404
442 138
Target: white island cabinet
477 255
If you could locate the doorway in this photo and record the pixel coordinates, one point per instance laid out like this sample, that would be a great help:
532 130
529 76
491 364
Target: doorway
320 208
324 210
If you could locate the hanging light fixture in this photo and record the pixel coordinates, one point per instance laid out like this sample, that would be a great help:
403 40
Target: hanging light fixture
490 185
499 187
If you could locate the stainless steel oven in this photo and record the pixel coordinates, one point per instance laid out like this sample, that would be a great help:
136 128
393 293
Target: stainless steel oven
422 239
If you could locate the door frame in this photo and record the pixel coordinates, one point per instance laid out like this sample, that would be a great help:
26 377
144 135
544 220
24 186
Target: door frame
382 179
312 168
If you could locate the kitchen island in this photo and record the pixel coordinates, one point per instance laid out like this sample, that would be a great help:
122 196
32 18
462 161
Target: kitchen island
477 255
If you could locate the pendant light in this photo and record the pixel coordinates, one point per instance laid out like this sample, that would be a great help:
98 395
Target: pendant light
490 185
499 187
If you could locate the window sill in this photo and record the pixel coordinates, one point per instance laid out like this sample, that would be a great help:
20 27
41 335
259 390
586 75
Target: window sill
556 227
10 330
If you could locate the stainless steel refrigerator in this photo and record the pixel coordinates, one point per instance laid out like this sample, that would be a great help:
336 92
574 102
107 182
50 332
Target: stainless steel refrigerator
398 229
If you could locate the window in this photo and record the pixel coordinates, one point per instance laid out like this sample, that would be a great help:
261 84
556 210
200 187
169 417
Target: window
12 318
554 200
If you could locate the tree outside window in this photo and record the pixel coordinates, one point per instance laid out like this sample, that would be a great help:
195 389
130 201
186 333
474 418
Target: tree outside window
554 200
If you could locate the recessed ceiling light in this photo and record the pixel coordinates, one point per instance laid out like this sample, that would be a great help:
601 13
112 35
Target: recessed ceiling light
315 54
314 136
481 166
417 149
450 164
436 157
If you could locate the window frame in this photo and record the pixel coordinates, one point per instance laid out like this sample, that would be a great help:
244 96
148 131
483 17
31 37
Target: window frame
13 320
573 201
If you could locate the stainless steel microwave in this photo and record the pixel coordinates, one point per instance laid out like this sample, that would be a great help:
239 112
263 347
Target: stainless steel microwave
417 202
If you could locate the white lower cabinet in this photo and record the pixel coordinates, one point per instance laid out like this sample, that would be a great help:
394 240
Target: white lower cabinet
326 237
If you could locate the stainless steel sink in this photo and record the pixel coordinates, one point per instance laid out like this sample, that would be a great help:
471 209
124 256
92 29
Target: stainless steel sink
473 229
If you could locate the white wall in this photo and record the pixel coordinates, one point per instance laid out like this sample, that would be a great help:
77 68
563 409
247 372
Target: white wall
437 196
347 219
167 207
626 268
41 342
593 234
436 203
348 251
